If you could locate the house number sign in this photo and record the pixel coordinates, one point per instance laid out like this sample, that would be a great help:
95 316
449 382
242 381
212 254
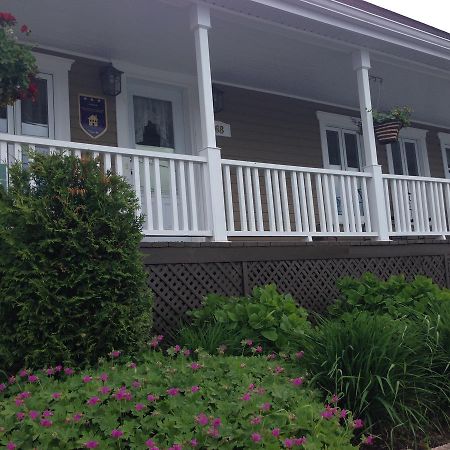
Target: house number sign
222 129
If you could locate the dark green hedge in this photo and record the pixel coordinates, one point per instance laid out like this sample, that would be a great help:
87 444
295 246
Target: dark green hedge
72 283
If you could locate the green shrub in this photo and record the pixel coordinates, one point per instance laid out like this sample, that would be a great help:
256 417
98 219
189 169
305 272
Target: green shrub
383 368
220 402
72 283
266 317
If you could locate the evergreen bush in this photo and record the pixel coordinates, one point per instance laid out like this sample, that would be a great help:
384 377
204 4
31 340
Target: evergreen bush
72 283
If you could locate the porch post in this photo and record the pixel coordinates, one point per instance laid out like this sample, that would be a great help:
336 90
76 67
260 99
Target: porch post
378 208
215 206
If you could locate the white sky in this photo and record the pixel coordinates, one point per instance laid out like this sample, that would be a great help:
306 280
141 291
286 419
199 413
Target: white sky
432 12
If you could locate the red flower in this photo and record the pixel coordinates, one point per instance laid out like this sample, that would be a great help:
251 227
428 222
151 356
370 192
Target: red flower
25 29
7 19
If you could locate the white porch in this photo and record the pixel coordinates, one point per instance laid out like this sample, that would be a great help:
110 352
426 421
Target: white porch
195 190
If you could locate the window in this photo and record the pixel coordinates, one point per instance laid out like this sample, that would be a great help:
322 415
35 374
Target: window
341 142
408 156
445 148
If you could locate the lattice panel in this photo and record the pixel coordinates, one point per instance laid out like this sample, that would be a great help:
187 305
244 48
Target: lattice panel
180 287
313 282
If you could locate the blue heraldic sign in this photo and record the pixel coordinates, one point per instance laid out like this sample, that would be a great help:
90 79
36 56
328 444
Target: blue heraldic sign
93 118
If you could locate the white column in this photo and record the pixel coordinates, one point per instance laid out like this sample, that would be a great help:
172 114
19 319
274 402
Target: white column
378 208
215 206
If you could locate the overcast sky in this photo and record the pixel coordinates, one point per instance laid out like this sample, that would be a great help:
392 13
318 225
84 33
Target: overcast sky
432 12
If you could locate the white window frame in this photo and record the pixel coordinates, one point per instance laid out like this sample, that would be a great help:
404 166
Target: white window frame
419 138
444 139
341 124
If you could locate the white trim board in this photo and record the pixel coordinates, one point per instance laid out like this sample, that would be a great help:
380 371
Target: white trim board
444 139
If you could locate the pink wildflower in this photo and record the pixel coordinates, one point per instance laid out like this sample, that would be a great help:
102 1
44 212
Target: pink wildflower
20 415
12 379
279 369
195 389
24 395
213 432
93 400
23 373
116 434
105 390
246 397
139 406
33 378
358 423
11 446
91 444
132 365
115 353
327 414
343 413
271 356
249 342
58 368
297 381
173 392
265 406
50 371
77 417
33 414
187 352
216 422
251 387
288 443
300 354
334 398
69 371
87 379
19 402
369 440
256 437
46 423
300 441
196 366
175 447
258 349
136 384
202 419
177 349
151 398
193 442
47 413
56 395
123 394
104 377
276 432
255 420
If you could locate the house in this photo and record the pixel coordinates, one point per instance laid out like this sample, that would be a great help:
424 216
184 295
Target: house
246 128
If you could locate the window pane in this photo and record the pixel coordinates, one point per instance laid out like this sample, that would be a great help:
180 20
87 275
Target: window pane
153 122
35 113
411 159
351 150
397 159
334 151
3 122
447 150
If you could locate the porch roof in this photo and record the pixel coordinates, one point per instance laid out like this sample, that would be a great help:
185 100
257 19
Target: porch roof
294 47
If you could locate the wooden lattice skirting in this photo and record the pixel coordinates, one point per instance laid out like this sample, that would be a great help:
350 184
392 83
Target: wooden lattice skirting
180 274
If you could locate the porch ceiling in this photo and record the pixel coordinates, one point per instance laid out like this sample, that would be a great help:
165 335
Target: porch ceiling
244 51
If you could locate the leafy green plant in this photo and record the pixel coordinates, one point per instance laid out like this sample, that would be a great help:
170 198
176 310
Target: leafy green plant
171 403
384 370
17 64
72 282
266 317
400 114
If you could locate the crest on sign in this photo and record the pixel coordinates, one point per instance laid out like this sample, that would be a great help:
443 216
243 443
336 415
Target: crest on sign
93 116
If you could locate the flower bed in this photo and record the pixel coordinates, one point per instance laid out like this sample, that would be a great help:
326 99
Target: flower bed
172 402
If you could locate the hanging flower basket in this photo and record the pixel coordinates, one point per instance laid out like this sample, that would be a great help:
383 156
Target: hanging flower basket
387 132
17 64
387 125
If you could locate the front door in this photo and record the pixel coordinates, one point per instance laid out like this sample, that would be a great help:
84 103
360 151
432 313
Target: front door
157 124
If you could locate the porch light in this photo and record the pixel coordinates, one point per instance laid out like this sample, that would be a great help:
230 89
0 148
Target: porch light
217 99
111 79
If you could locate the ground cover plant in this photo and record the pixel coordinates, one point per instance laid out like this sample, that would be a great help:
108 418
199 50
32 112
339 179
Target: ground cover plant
174 401
267 318
72 282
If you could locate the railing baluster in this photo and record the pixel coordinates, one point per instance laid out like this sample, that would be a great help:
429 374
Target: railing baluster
241 195
367 209
303 198
351 205
420 208
17 152
326 194
322 220
249 198
158 195
447 203
423 189
344 204
182 183
311 209
107 163
434 217
77 153
441 207
270 202
296 201
228 198
173 195
415 206
334 205
278 211
148 192
284 202
119 165
258 204
193 198
137 181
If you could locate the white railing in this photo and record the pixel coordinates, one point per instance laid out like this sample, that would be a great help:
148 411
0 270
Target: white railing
169 187
417 205
276 200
